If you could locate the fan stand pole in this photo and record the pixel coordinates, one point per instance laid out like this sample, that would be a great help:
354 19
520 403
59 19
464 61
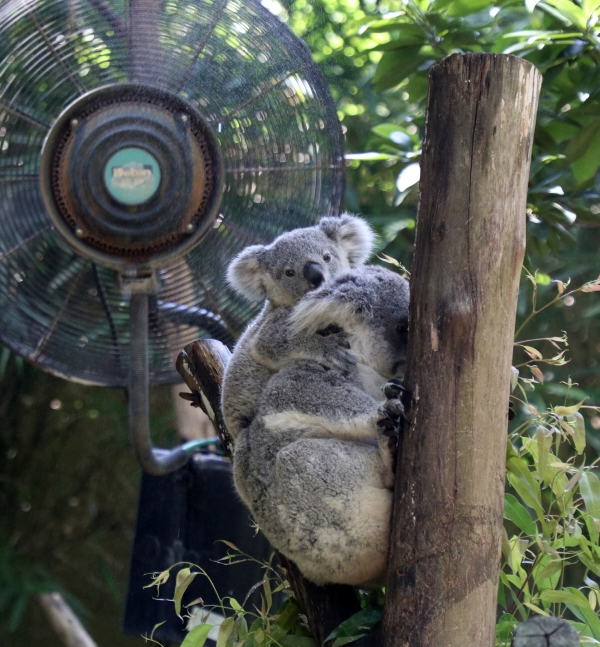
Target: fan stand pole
153 461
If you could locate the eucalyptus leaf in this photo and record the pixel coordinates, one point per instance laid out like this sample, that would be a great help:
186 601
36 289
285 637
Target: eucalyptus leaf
516 512
184 578
197 636
589 487
357 626
225 631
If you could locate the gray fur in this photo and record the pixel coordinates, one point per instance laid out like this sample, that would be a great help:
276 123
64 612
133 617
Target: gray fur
313 467
259 272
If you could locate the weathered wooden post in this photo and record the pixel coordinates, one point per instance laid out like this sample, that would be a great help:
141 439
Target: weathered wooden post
447 517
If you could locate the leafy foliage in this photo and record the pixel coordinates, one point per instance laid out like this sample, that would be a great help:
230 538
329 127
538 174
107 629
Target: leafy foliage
234 624
552 503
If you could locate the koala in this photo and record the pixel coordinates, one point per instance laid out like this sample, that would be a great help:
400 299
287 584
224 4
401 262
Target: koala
315 467
282 273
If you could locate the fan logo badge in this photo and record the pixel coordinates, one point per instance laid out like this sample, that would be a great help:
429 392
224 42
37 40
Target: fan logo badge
131 176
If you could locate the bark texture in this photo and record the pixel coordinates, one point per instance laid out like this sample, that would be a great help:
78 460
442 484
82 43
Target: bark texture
447 516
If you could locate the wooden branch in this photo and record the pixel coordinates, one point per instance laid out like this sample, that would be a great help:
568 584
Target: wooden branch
448 500
202 364
66 624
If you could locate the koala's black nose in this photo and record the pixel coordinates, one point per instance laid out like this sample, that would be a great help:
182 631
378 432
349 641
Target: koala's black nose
313 274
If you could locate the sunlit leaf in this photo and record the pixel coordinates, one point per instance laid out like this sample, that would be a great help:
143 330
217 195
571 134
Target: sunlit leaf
589 488
579 432
576 598
570 11
197 636
568 411
408 176
184 578
544 443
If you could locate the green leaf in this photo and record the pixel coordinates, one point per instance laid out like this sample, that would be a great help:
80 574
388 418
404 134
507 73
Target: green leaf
268 595
297 641
544 444
184 578
285 620
460 8
573 596
579 432
584 612
505 628
569 411
583 151
525 484
589 487
197 636
357 626
570 11
515 512
549 570
225 631
592 564
396 66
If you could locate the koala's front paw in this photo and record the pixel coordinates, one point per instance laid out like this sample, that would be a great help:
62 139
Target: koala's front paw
335 349
391 414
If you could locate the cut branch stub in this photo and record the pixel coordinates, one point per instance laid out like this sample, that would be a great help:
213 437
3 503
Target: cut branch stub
447 516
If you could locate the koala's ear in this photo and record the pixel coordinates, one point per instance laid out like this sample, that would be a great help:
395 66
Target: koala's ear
352 234
246 273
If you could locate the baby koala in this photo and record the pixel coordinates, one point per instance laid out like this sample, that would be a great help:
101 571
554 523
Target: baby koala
282 273
314 467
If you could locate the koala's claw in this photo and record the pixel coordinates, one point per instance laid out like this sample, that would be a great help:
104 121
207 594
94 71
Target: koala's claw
393 388
393 410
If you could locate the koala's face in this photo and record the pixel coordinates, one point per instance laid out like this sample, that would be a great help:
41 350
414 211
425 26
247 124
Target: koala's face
299 262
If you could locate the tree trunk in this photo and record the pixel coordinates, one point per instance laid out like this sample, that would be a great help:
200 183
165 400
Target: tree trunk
448 500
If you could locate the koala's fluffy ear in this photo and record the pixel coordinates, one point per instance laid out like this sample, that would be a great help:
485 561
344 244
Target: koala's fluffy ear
352 234
246 273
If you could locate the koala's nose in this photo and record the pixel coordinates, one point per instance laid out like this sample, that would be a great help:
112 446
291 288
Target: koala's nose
313 274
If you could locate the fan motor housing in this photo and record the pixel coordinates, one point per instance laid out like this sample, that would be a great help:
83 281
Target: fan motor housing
131 175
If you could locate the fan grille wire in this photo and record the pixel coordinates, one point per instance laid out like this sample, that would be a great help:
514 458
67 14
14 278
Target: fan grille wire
256 85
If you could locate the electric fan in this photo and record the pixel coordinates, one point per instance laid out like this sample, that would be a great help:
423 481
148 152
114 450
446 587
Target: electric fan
142 144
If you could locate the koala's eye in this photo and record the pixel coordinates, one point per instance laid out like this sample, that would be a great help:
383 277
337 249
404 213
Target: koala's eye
290 273
327 257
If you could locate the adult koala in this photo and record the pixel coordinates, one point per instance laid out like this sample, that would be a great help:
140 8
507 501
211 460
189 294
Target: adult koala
315 467
282 272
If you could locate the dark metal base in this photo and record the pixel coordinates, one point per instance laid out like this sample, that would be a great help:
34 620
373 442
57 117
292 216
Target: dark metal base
181 517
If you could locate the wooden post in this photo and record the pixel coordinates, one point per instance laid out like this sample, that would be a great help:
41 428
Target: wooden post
447 515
